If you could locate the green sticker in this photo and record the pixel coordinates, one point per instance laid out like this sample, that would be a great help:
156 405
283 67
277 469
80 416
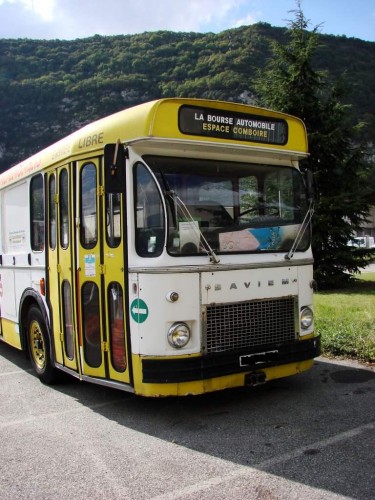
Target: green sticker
139 310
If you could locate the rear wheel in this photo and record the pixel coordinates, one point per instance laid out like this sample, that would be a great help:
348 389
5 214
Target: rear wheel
39 346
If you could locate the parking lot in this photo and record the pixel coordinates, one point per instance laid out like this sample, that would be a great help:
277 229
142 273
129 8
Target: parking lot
309 436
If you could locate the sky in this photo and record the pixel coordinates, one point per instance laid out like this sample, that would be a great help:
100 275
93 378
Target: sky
71 19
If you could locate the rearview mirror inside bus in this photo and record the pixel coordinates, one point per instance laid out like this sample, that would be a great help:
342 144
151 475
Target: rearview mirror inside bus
114 168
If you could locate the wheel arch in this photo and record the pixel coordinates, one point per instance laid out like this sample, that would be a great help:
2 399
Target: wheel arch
30 298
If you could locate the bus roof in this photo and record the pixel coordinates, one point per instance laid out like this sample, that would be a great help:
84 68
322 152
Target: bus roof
178 119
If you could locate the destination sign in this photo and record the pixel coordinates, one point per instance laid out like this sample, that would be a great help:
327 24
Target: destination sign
194 120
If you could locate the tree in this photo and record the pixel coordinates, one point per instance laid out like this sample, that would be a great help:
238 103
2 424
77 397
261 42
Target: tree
337 158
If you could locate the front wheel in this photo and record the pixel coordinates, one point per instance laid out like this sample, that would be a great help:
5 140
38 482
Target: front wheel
39 346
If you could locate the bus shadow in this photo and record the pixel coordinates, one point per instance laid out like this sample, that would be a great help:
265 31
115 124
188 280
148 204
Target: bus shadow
15 357
311 428
314 428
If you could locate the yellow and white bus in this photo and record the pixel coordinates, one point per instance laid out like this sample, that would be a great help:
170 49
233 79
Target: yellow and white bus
163 250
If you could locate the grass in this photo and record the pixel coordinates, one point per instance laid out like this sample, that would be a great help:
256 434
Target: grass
346 320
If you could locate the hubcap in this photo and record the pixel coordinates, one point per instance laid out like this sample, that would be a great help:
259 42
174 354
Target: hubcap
37 345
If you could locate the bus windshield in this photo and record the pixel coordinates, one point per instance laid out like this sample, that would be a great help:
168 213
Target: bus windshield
228 207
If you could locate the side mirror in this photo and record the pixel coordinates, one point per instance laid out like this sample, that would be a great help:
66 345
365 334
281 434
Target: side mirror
310 185
114 167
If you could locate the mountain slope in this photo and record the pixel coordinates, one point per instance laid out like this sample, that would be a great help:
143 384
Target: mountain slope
48 89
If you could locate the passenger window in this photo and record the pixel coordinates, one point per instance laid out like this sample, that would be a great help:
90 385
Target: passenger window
68 320
149 214
52 212
89 225
113 211
91 324
117 326
64 209
37 213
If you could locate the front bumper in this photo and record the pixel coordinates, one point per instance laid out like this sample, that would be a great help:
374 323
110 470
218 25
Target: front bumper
159 371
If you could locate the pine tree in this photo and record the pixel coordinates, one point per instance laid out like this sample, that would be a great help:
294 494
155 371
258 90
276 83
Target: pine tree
338 159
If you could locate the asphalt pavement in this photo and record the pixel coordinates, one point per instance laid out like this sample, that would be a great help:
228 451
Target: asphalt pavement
308 436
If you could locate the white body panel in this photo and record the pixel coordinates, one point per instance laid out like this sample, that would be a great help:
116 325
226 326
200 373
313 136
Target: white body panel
239 285
21 268
150 336
199 288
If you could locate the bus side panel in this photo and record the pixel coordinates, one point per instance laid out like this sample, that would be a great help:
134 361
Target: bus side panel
10 333
15 235
9 320
8 299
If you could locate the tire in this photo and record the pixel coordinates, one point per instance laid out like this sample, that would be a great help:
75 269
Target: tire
38 343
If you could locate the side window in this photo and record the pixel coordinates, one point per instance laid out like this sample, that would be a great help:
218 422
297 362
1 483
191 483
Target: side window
37 213
89 215
113 213
91 324
68 320
117 326
149 214
52 212
64 208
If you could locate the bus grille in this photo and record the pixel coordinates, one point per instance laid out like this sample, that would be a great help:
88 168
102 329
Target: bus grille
232 327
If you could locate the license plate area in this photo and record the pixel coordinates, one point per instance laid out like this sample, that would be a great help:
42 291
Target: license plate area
258 358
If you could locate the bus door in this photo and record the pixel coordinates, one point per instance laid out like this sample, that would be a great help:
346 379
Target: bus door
61 265
100 276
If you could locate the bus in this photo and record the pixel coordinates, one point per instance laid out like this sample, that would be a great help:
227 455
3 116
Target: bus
163 250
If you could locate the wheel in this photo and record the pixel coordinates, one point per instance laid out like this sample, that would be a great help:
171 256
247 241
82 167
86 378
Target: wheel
39 346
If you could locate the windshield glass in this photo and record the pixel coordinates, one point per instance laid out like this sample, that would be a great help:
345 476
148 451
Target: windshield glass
230 207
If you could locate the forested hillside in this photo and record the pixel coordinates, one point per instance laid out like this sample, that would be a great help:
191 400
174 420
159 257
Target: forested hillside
48 89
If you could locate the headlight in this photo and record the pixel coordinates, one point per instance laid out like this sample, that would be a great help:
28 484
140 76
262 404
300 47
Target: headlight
178 335
307 317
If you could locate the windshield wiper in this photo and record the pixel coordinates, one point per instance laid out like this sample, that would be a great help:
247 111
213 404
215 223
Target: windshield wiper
178 203
305 224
